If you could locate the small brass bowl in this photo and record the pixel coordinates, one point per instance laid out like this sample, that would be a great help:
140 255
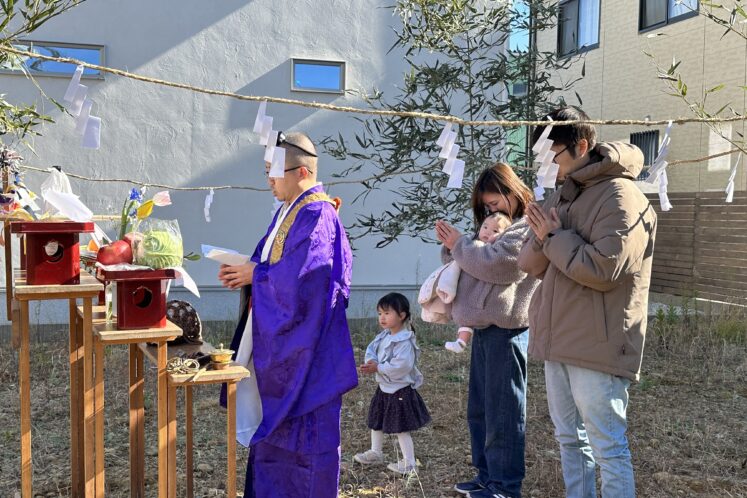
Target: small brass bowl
220 358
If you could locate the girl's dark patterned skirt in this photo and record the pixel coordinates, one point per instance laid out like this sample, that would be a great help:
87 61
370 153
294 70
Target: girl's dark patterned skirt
401 411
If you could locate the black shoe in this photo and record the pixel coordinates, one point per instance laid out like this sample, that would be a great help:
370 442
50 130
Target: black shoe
468 487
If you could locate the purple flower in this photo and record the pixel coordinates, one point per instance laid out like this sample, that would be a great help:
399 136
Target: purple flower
135 195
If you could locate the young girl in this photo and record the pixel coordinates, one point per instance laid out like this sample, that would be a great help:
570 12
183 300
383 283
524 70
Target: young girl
396 407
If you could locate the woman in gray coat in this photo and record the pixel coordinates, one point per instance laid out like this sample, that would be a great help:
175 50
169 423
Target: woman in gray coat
493 298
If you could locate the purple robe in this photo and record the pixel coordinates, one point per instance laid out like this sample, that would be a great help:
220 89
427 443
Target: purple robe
303 356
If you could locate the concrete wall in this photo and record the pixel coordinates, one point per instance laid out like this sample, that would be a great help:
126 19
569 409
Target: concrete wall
621 83
158 134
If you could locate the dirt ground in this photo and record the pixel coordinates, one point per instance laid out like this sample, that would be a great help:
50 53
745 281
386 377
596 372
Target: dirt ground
687 424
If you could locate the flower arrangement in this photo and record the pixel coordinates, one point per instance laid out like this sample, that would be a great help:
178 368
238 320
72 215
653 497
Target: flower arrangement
134 210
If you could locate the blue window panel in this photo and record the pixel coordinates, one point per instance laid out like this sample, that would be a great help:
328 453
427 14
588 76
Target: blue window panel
318 76
518 40
87 53
682 8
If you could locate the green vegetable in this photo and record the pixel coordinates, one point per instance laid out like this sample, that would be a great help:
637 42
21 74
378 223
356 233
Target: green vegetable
162 249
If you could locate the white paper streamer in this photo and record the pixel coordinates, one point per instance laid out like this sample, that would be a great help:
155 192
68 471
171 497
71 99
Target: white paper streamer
444 135
72 88
82 120
551 176
448 145
92 135
208 203
260 119
730 184
277 168
539 191
184 279
663 197
457 174
660 164
270 150
264 136
78 99
537 147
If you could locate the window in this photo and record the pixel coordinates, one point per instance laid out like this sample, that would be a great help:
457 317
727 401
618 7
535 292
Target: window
317 76
518 39
648 142
578 26
519 89
656 13
93 54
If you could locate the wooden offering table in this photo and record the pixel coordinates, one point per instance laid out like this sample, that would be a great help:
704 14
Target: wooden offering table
229 375
108 334
81 376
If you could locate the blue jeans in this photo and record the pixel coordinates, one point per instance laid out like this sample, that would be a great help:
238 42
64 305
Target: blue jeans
496 409
588 409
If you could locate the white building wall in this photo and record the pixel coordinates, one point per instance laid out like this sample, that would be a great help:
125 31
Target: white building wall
165 135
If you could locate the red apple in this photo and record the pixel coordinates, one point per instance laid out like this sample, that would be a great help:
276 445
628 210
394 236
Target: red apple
115 253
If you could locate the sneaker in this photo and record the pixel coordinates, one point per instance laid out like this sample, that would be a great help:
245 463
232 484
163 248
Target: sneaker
468 486
485 493
456 346
369 457
401 467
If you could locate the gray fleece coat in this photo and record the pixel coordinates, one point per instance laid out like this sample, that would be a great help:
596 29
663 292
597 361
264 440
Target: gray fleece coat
492 289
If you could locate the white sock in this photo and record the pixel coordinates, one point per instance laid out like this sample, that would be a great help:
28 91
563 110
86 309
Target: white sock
408 448
456 346
377 441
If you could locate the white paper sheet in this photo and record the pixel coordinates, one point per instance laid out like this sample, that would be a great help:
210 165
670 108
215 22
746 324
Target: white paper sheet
260 119
457 174
277 168
449 166
448 144
82 120
72 88
663 197
270 150
224 256
542 148
183 278
208 202
539 191
444 135
264 135
542 139
68 205
551 177
730 184
78 99
92 135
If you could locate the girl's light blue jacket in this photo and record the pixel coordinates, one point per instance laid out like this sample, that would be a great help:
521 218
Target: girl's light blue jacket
397 357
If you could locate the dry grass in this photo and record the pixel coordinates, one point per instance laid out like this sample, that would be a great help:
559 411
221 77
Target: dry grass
688 420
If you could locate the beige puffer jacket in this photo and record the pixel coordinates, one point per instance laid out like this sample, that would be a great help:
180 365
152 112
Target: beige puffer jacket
592 305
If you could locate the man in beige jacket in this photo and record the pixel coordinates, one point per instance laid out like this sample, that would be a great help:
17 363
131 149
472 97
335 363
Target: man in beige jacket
592 246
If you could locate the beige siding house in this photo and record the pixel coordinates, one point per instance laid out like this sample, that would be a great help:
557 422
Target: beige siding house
620 81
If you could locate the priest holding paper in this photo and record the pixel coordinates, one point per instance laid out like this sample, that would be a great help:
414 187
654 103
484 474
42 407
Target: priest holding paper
296 333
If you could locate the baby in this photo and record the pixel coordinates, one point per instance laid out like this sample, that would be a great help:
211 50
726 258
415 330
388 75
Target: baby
493 226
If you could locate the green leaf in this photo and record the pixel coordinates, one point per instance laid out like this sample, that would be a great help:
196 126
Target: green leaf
192 257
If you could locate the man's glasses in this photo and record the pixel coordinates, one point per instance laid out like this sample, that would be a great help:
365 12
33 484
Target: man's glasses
282 140
267 172
555 157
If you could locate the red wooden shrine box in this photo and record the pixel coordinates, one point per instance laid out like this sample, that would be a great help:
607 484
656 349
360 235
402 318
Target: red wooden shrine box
141 297
52 255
